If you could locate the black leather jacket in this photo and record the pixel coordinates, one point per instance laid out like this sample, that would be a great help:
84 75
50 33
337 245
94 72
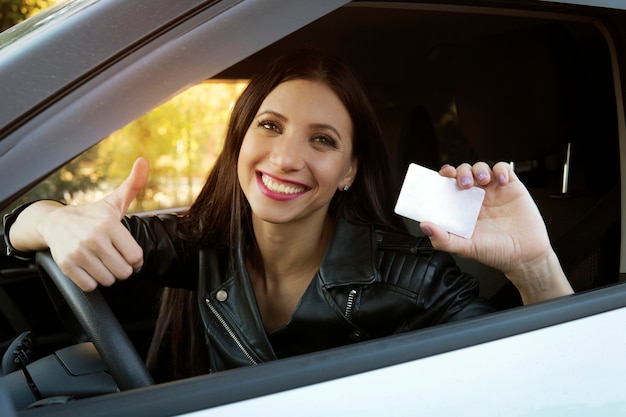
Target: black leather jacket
370 284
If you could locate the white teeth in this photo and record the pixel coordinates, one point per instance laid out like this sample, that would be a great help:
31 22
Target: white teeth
280 187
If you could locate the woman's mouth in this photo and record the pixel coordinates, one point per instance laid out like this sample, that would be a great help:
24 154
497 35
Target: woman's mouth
281 187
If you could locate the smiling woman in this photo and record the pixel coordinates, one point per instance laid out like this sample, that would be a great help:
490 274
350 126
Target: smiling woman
269 267
287 135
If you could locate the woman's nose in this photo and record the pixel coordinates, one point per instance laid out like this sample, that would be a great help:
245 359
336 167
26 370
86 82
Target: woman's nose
288 152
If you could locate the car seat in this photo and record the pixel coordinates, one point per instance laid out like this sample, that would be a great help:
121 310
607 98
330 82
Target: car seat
521 98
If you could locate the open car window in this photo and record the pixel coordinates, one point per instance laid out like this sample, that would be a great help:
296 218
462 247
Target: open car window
181 139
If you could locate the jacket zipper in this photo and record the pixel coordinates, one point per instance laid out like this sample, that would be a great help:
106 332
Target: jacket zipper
350 303
230 331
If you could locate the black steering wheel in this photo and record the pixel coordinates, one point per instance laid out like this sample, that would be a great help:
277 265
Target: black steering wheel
100 326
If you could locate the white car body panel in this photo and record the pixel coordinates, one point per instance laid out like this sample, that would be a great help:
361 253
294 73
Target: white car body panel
526 371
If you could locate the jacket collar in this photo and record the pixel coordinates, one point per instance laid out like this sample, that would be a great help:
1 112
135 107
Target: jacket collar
349 259
350 256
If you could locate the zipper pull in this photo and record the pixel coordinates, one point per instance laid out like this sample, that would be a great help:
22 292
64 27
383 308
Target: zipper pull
349 303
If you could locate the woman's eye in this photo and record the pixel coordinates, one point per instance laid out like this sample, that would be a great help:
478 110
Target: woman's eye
269 125
324 140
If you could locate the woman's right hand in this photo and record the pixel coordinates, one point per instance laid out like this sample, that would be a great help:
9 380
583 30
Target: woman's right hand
510 234
89 243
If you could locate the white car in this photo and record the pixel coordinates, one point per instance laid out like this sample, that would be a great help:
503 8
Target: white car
535 82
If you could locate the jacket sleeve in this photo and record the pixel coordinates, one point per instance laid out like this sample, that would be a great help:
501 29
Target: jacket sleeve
450 294
434 289
168 258
8 221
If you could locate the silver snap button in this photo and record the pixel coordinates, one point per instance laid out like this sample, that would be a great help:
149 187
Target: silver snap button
221 295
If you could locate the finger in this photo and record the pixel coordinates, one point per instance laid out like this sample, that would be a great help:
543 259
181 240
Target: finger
128 190
96 272
482 173
444 241
130 251
100 259
86 274
464 176
83 280
503 172
447 170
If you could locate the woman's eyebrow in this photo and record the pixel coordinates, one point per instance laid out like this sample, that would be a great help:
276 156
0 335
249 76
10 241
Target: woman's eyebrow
326 126
313 125
272 113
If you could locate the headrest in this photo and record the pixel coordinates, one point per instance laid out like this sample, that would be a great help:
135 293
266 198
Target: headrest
419 140
518 96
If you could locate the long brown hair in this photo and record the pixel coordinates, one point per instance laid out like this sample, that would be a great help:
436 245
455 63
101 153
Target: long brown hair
220 217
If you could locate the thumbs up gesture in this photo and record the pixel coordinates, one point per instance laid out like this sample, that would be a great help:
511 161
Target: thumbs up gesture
89 243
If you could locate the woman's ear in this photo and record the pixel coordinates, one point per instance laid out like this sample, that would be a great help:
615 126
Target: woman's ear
348 179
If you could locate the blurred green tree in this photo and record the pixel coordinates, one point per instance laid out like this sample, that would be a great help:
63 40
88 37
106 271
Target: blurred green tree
14 11
181 139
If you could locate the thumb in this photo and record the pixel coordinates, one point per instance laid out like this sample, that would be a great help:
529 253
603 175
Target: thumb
440 239
121 198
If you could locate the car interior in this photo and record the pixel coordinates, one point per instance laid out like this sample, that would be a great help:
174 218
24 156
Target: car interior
454 87
451 85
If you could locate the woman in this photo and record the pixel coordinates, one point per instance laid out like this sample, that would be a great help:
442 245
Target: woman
292 245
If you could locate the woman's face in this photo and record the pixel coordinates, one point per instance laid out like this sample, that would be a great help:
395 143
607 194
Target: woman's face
296 153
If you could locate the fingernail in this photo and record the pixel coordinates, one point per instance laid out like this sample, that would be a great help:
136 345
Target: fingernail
466 180
427 230
482 176
501 179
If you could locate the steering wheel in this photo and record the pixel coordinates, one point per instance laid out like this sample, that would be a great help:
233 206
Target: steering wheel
100 326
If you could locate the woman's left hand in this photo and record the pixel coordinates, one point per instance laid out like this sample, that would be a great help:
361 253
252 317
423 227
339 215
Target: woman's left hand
510 234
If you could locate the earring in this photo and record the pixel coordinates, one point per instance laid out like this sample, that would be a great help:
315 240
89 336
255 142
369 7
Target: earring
346 187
